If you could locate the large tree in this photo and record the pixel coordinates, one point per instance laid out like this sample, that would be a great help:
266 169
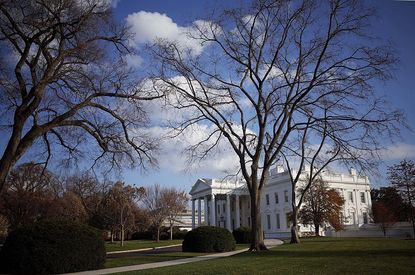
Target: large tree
402 177
268 69
63 85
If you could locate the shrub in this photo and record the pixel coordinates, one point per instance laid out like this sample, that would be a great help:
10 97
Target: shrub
142 235
53 247
242 235
180 234
208 239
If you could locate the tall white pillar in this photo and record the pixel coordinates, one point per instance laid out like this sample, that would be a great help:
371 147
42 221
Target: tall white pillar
228 213
193 214
206 219
199 212
237 213
213 211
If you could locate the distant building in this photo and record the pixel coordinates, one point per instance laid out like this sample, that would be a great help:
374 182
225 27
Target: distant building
231 206
183 221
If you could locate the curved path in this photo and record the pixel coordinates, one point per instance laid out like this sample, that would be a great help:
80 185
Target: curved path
142 252
269 243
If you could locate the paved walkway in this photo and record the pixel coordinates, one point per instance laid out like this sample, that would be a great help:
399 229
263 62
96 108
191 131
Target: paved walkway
269 243
141 251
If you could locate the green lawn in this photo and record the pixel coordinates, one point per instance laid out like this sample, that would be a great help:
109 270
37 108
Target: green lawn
138 244
312 256
145 259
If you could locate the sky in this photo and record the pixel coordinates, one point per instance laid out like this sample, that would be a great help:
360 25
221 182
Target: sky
167 19
395 22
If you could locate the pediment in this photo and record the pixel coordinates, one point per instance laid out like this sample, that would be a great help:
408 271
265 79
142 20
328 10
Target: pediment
200 186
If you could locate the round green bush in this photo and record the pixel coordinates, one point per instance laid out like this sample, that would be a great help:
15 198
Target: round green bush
53 247
208 239
242 235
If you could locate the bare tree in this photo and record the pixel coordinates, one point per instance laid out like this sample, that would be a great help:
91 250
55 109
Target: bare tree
28 195
63 85
163 204
312 147
402 177
122 200
269 68
175 203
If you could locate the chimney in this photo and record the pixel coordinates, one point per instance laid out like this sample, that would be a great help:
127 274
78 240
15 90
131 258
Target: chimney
279 169
353 172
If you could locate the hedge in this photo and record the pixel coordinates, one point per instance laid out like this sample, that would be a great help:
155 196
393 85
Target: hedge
242 235
208 239
51 247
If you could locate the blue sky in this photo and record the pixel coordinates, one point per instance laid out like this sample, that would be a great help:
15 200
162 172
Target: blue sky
395 22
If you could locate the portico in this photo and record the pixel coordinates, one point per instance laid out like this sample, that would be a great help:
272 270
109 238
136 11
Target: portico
222 203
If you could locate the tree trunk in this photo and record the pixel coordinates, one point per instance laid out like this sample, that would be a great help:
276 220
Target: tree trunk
294 229
171 231
122 235
317 229
257 236
112 235
158 234
6 164
412 211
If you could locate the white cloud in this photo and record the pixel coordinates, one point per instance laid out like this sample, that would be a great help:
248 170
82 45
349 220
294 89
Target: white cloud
133 60
173 155
147 27
399 151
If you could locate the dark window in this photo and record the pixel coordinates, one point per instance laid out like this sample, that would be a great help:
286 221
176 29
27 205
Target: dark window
269 222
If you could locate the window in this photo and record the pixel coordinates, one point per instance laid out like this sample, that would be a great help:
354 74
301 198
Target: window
276 198
278 221
288 219
365 218
286 195
223 208
267 199
350 196
218 209
269 222
362 197
249 221
233 205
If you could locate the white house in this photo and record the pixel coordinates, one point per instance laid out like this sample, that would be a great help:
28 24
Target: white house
231 205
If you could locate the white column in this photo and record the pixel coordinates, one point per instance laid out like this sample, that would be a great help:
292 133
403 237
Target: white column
205 200
237 214
199 213
193 214
213 211
228 213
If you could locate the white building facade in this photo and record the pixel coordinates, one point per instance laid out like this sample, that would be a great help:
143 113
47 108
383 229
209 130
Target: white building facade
227 204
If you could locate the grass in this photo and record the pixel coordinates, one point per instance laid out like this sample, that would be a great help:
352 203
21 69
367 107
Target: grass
312 256
139 244
145 259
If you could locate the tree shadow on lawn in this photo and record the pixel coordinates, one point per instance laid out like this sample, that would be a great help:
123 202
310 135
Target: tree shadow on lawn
329 253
